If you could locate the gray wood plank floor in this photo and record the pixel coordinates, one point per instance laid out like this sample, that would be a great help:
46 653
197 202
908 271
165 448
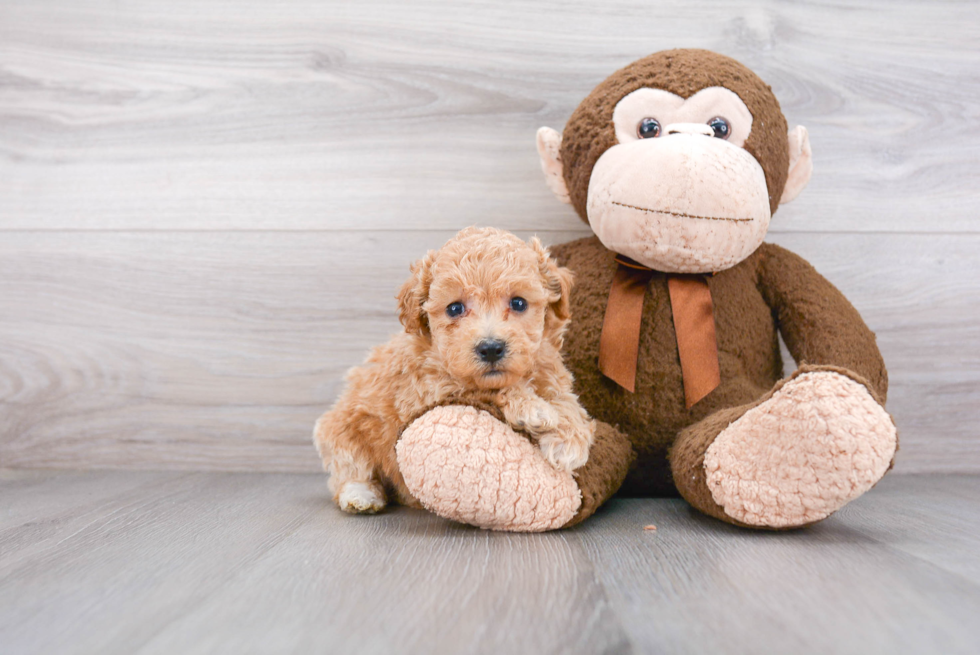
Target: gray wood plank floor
178 562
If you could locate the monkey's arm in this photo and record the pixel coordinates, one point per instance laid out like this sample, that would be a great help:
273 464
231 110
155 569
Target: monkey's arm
819 325
820 438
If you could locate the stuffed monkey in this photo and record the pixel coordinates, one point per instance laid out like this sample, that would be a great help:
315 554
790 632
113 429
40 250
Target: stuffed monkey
677 163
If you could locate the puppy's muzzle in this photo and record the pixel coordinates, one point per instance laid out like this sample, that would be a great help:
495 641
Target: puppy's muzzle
491 351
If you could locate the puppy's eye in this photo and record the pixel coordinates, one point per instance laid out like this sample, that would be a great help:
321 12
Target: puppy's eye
455 309
518 304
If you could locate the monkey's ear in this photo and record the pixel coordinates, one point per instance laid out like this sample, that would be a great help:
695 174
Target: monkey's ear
549 149
800 164
413 295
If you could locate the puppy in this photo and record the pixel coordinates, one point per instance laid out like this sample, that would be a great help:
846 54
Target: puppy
484 318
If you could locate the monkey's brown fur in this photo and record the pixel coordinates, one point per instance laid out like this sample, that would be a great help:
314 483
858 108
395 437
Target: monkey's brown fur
819 325
771 290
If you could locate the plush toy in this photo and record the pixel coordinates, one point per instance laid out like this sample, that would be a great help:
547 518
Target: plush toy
677 162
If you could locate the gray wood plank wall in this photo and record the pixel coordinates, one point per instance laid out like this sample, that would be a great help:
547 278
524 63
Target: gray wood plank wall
206 207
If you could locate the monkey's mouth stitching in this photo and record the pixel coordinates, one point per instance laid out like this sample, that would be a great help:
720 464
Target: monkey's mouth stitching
683 215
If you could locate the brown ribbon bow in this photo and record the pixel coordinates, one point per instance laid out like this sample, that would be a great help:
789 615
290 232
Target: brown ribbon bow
694 325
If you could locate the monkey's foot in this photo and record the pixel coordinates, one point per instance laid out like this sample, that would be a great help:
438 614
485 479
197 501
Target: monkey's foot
465 465
818 443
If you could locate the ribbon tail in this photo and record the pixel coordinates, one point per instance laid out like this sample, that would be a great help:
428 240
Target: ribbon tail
697 344
619 343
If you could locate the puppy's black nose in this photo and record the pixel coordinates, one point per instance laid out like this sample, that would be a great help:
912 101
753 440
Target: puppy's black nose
491 350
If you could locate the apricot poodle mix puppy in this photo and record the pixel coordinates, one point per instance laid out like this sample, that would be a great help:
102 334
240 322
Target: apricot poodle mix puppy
484 318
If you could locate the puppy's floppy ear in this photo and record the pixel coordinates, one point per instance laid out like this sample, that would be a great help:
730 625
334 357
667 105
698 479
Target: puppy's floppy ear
413 295
557 280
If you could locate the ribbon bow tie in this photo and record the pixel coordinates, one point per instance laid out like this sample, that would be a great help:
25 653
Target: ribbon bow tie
694 324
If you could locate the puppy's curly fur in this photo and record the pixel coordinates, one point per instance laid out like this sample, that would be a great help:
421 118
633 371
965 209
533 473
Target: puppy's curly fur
484 318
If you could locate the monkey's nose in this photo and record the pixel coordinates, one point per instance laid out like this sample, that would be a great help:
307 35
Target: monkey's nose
491 350
689 128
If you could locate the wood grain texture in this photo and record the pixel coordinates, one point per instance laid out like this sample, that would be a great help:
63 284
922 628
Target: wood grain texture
138 562
836 587
241 114
205 208
943 510
219 350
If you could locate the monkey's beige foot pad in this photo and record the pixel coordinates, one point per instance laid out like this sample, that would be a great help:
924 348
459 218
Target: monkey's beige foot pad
465 465
819 442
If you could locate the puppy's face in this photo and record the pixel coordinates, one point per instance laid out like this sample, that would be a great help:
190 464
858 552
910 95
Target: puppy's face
487 324
488 301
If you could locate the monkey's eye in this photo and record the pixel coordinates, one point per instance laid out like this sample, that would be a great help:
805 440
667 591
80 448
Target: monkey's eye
518 304
455 309
721 127
648 128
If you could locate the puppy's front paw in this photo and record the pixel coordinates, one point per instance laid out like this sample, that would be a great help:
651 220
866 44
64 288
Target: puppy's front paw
563 453
361 498
538 417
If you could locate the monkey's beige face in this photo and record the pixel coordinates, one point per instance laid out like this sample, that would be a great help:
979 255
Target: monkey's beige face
678 193
487 316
